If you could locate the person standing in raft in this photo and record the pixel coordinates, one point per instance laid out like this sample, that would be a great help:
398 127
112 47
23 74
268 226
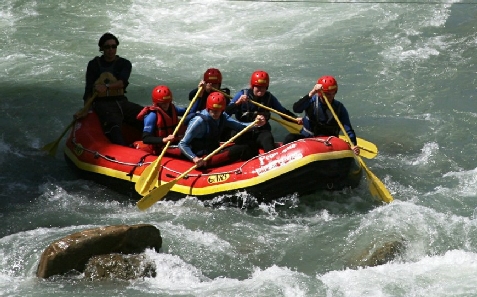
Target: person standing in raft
246 111
203 135
319 120
108 77
160 121
212 80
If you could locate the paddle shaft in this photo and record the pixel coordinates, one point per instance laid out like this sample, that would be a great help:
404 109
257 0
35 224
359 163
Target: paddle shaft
273 110
158 193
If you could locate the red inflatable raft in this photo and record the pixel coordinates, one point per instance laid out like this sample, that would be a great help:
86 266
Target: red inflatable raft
304 166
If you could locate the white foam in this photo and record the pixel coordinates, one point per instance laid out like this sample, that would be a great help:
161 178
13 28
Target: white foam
451 274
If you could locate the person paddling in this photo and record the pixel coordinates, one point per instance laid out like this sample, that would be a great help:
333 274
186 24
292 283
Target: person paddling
160 121
319 120
246 111
203 134
211 80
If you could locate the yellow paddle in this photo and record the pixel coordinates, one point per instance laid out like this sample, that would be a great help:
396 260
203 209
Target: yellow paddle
159 193
52 147
376 187
368 149
149 177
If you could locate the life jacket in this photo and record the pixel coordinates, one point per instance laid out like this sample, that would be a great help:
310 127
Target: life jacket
211 141
250 111
107 77
166 124
322 122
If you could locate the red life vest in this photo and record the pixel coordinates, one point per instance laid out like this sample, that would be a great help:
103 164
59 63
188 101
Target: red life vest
166 124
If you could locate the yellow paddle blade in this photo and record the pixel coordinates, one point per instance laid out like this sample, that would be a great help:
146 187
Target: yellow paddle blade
376 187
155 195
52 147
148 179
291 127
366 145
161 191
367 149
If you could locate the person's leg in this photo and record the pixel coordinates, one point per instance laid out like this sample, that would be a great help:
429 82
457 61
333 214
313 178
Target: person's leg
130 112
248 140
230 154
265 140
219 159
110 116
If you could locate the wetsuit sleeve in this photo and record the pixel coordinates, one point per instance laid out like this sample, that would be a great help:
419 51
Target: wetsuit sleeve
148 138
192 93
150 122
234 124
233 108
195 106
180 110
196 129
302 104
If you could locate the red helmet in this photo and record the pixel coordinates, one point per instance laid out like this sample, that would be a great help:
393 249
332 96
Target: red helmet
216 101
213 76
260 78
328 82
161 94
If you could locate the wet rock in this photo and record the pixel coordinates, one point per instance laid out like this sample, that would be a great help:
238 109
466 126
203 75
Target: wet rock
119 266
73 251
375 256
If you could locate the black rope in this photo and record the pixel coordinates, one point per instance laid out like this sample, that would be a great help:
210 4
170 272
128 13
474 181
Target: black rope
140 163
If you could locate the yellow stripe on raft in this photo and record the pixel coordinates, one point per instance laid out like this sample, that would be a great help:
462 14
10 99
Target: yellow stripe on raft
217 188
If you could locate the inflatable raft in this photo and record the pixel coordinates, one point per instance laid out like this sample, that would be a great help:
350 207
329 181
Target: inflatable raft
303 166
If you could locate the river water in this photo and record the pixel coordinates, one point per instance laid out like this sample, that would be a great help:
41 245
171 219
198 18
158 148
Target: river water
406 73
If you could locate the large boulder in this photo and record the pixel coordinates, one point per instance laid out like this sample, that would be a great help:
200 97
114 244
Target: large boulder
73 251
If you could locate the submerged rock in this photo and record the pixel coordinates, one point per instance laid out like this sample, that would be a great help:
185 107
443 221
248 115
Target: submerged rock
74 251
375 256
